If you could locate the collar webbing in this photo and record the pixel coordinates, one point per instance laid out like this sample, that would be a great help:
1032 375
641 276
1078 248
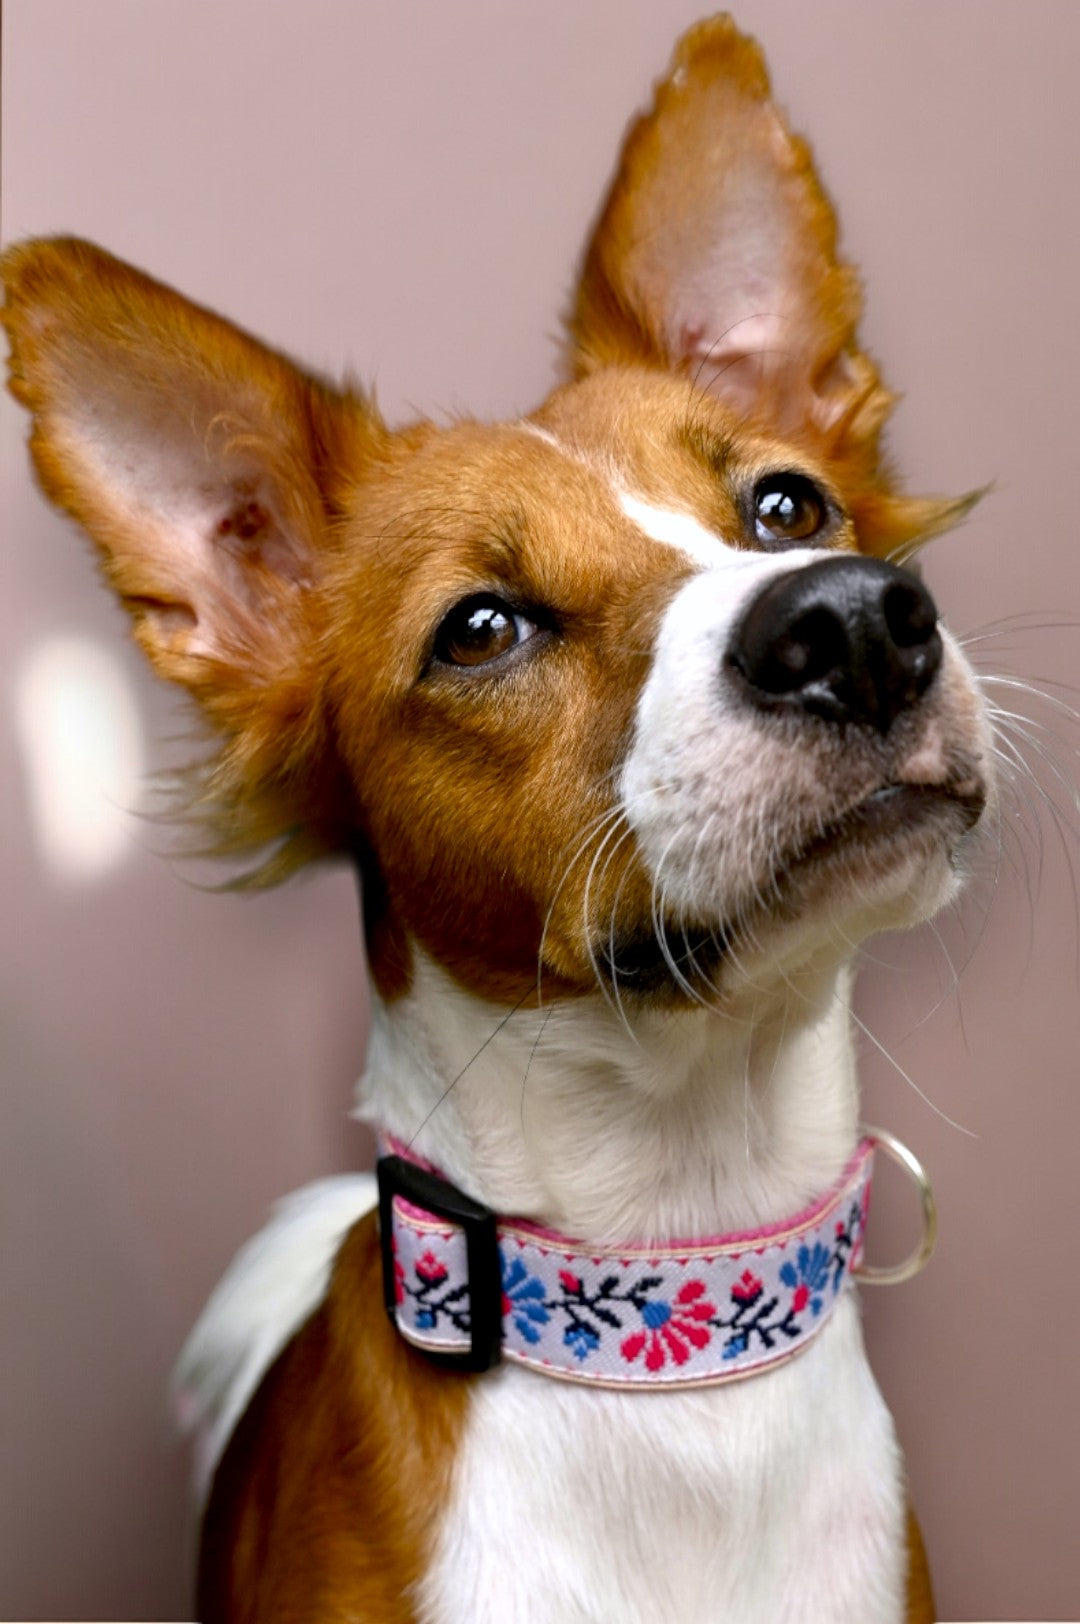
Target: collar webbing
467 1288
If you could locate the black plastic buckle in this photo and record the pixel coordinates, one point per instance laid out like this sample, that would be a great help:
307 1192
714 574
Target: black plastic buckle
444 1200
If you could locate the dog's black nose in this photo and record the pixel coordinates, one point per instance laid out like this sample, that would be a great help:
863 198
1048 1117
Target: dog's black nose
850 639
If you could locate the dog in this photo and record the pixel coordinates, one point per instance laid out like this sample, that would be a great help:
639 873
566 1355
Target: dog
635 728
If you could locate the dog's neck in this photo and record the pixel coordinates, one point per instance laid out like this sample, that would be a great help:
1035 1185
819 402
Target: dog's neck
612 1126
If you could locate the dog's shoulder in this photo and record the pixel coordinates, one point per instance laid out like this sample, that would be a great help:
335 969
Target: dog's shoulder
348 1430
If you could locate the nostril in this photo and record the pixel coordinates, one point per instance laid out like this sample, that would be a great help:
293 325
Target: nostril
910 614
807 650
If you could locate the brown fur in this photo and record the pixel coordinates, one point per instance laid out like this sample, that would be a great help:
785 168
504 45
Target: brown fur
350 1431
920 1594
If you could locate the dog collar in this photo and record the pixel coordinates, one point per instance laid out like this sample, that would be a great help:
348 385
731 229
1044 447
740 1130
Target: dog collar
468 1289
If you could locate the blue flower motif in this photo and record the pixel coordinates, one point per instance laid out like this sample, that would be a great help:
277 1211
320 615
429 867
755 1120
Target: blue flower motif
812 1272
425 1320
523 1298
735 1345
581 1340
656 1313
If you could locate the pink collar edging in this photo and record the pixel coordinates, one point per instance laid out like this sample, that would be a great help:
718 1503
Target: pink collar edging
692 1313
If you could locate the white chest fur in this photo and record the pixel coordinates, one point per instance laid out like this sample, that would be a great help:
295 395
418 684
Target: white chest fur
778 1498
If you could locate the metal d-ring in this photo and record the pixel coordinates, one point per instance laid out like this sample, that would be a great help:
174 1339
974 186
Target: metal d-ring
895 1273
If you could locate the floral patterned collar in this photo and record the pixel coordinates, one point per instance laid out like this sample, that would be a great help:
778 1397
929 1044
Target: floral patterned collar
468 1289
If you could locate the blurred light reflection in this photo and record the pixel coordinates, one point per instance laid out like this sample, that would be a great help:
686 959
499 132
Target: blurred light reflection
81 740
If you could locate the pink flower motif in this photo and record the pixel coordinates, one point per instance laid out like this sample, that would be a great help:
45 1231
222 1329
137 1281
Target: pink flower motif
801 1298
747 1287
431 1271
570 1282
672 1330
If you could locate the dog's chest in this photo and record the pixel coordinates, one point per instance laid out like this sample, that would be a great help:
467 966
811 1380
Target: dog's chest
574 1505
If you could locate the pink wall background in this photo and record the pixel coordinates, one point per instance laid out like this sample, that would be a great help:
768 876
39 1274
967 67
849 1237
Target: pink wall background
403 188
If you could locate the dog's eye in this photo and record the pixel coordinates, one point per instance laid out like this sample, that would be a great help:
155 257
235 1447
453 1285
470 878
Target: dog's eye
479 630
788 509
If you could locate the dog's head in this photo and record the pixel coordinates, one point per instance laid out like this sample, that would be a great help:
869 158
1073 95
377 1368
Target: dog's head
623 692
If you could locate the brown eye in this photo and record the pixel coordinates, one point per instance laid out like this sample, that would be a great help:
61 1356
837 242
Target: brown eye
788 509
479 630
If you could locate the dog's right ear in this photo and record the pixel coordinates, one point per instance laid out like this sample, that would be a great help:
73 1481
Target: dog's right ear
201 462
205 467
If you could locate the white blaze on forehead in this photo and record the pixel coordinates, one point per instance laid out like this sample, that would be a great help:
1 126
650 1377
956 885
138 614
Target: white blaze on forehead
669 526
676 529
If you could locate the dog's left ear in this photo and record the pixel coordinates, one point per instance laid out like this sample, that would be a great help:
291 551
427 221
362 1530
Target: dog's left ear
715 253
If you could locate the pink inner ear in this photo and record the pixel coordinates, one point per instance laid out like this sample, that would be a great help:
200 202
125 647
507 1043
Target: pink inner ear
247 521
250 532
732 362
210 554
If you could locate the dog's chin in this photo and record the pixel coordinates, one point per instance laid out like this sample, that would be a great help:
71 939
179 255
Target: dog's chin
870 845
886 863
889 862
